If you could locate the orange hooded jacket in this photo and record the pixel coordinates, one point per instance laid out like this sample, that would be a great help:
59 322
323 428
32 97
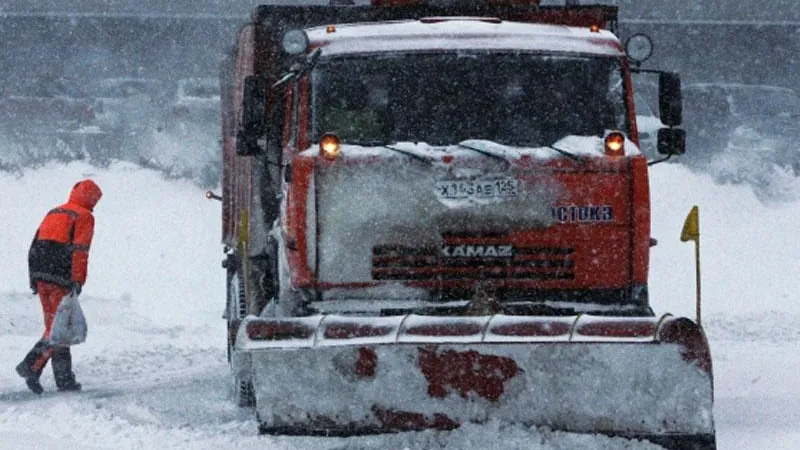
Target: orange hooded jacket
59 252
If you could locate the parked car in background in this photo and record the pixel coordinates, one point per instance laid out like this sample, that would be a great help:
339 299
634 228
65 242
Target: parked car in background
188 141
743 132
41 111
129 109
748 118
196 105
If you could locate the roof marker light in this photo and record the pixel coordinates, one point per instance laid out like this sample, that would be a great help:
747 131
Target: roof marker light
594 28
330 29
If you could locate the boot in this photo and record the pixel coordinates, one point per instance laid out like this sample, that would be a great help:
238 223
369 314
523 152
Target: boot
34 385
62 370
27 368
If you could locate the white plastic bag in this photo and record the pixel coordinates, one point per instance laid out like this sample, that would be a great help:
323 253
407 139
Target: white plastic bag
69 326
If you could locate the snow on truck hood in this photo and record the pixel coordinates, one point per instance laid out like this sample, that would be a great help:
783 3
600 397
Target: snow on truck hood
401 201
585 146
462 35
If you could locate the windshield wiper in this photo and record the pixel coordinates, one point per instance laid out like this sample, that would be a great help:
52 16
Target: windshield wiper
569 155
485 151
504 157
412 153
566 153
416 154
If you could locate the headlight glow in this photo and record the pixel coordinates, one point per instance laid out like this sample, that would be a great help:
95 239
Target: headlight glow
614 144
329 147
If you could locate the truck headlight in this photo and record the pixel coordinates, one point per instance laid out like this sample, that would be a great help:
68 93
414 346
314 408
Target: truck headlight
329 147
614 144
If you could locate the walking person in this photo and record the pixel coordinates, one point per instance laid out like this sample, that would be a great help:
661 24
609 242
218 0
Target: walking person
57 263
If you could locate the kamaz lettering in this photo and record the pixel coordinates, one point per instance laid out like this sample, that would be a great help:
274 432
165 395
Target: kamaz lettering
583 214
477 251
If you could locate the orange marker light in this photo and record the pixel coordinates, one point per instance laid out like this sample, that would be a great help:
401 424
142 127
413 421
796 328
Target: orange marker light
330 29
329 147
594 28
615 144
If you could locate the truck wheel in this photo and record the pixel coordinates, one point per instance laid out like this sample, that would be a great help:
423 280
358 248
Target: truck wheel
243 391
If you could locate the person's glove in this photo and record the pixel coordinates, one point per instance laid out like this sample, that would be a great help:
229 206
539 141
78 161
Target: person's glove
76 288
33 288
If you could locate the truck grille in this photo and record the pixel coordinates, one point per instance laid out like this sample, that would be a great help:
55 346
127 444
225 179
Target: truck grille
470 262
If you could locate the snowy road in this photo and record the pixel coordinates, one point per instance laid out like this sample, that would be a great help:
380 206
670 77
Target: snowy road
154 367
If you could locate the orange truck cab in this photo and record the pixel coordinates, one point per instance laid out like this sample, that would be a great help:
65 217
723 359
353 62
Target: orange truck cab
470 150
433 173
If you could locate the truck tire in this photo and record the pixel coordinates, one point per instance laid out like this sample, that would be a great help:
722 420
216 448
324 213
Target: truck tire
229 264
235 302
243 391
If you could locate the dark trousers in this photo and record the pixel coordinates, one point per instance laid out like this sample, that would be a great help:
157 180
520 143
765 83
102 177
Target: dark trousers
36 359
50 295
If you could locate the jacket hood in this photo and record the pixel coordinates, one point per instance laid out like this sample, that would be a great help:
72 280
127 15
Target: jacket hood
85 193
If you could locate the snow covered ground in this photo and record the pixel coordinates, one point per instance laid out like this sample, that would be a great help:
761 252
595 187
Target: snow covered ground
154 368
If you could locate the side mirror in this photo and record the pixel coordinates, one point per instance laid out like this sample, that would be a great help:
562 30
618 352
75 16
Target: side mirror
671 141
670 103
254 106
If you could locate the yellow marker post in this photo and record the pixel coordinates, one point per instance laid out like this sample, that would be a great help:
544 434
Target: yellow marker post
243 253
691 232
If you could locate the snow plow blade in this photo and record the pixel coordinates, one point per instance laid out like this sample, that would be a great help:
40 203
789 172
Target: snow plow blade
643 377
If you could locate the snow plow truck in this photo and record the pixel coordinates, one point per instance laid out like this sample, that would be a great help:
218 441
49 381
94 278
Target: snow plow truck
436 213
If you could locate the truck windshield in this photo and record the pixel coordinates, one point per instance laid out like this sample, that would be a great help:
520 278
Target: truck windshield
443 98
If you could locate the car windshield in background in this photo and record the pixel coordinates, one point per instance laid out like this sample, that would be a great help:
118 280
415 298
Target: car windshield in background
200 88
764 102
444 98
45 87
126 87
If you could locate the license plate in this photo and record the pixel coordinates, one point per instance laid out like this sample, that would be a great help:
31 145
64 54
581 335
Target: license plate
478 189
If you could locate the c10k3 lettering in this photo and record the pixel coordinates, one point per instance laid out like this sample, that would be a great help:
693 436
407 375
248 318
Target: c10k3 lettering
583 214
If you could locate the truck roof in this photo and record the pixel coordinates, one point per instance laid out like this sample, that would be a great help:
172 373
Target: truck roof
463 33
